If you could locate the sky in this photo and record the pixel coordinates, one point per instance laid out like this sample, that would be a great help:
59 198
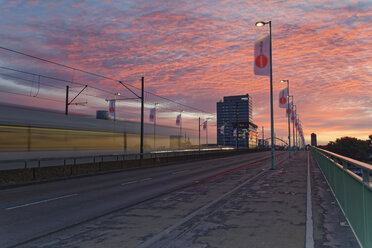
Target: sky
194 52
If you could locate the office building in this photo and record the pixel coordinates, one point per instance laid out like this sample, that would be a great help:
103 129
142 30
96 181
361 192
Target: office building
235 112
313 139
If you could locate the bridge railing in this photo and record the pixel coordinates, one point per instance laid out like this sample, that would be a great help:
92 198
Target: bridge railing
350 181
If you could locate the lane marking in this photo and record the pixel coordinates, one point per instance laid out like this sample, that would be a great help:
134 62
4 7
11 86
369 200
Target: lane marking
129 182
39 201
176 172
136 181
146 179
309 211
160 235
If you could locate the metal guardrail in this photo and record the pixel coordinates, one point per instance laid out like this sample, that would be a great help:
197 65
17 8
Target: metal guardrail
350 181
76 160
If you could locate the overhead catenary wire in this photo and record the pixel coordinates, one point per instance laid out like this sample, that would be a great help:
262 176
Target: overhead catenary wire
101 76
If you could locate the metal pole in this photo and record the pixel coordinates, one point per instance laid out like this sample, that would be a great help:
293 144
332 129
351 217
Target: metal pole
271 102
296 132
206 133
293 125
66 109
236 119
199 134
180 131
289 124
142 108
155 126
115 107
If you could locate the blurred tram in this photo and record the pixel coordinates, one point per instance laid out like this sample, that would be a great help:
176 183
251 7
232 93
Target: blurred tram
24 129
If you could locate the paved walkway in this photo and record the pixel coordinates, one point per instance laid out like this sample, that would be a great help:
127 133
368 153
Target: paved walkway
264 209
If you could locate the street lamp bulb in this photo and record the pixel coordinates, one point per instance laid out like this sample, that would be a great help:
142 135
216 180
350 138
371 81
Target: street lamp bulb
260 24
118 94
283 81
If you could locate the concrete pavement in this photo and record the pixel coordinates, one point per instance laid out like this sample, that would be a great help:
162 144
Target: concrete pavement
247 207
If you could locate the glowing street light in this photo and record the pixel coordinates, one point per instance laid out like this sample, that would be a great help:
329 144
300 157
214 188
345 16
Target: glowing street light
261 24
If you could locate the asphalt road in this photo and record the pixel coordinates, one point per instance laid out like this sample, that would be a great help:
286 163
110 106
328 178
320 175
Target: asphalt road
30 212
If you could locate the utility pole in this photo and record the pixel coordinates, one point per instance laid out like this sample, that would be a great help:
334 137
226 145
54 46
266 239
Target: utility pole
66 109
199 134
236 118
142 108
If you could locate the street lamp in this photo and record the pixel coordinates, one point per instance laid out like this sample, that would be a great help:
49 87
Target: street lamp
206 130
289 123
156 104
261 24
116 94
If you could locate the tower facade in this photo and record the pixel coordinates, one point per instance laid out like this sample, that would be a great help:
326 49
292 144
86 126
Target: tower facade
235 112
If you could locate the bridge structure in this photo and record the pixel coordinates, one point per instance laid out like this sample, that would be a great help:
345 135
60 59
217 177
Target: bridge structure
213 198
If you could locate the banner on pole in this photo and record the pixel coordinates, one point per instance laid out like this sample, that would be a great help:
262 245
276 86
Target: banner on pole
222 130
112 108
234 132
204 125
293 116
283 98
288 111
178 120
152 115
262 56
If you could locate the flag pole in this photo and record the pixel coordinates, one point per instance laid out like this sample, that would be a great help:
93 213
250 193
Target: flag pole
271 103
289 124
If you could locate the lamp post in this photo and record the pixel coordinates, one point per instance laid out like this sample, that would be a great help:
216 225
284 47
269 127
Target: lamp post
116 94
289 123
156 104
261 24
180 140
206 131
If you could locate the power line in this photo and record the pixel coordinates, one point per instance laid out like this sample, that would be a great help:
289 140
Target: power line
54 78
44 98
101 76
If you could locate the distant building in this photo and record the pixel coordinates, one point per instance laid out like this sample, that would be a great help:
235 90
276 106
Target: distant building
236 112
313 139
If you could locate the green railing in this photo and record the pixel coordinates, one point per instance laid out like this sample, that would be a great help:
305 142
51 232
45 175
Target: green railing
352 191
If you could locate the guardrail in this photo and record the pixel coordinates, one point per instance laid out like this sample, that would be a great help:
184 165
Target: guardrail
94 159
350 181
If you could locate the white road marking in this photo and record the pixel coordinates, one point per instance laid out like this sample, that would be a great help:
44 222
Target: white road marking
309 211
42 201
176 172
146 179
129 182
136 181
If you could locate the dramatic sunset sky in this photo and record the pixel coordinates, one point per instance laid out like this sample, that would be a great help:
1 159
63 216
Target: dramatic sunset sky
196 52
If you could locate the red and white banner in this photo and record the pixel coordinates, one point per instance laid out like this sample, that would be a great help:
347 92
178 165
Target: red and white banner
262 56
288 111
112 107
222 130
152 115
293 116
204 125
234 133
243 135
283 98
178 120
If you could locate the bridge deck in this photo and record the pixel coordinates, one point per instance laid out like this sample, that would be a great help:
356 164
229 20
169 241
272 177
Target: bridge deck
264 209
